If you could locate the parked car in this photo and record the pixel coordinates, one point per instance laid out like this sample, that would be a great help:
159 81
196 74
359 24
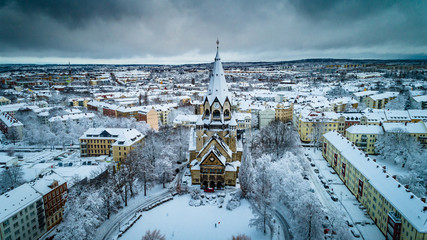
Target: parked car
312 164
348 223
355 233
334 198
209 190
316 170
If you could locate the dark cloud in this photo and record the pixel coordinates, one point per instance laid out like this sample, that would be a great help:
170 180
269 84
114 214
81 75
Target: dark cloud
249 30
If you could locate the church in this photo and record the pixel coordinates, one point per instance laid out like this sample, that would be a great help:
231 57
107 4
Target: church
215 150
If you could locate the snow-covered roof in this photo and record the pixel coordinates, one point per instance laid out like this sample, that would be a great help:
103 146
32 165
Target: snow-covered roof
397 115
365 93
418 114
17 199
217 85
418 127
408 205
384 95
41 185
74 116
419 99
365 129
216 152
123 136
9 121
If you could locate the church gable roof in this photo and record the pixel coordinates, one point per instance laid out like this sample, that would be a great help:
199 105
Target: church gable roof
213 157
219 143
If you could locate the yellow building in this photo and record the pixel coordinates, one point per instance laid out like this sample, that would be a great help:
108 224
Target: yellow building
378 101
416 130
4 101
76 102
215 151
313 125
397 212
116 142
364 136
284 112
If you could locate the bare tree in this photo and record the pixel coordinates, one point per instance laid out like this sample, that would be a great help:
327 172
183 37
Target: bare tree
241 237
154 235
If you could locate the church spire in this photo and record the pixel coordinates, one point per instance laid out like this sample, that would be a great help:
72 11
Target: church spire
217 85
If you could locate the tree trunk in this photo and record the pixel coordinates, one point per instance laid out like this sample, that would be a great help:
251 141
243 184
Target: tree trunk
145 185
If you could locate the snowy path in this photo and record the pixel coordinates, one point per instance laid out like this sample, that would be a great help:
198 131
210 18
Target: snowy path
284 225
111 227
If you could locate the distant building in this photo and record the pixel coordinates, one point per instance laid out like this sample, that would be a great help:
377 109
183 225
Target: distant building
284 112
422 100
116 142
378 101
364 136
4 101
11 127
265 117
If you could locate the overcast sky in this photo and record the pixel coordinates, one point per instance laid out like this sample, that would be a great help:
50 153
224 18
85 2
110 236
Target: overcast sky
180 31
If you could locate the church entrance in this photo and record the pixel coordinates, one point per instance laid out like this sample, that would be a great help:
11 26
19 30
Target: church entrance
219 185
205 184
212 184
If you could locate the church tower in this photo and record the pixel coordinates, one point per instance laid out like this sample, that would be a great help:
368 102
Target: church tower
215 136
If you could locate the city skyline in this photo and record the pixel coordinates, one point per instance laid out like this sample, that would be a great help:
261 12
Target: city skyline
166 32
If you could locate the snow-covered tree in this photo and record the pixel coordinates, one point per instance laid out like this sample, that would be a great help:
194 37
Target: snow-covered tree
276 138
11 176
398 103
262 195
154 235
400 147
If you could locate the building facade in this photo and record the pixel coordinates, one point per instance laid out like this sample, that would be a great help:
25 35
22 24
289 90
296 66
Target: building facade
116 142
397 212
215 151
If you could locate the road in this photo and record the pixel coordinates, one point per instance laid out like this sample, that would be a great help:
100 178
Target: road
111 227
284 225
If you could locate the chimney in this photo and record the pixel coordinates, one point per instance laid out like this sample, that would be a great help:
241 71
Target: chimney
425 208
398 185
412 196
384 167
394 176
423 199
406 186
375 160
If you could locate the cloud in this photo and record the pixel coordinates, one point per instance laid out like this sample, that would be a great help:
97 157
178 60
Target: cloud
167 29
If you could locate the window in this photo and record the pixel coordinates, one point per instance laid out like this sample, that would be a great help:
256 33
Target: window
360 189
343 169
216 114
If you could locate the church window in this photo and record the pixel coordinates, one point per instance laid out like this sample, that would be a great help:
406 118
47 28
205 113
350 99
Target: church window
226 113
207 112
216 114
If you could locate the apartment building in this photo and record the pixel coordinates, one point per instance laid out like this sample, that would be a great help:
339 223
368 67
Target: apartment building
378 101
116 142
397 212
22 214
53 188
364 136
11 127
284 112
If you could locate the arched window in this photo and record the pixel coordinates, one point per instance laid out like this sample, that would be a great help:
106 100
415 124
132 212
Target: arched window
216 114
226 113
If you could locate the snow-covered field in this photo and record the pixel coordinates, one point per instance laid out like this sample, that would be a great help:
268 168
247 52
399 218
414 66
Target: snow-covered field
177 220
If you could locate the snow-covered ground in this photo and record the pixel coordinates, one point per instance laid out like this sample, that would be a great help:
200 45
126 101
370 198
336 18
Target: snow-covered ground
177 220
347 202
